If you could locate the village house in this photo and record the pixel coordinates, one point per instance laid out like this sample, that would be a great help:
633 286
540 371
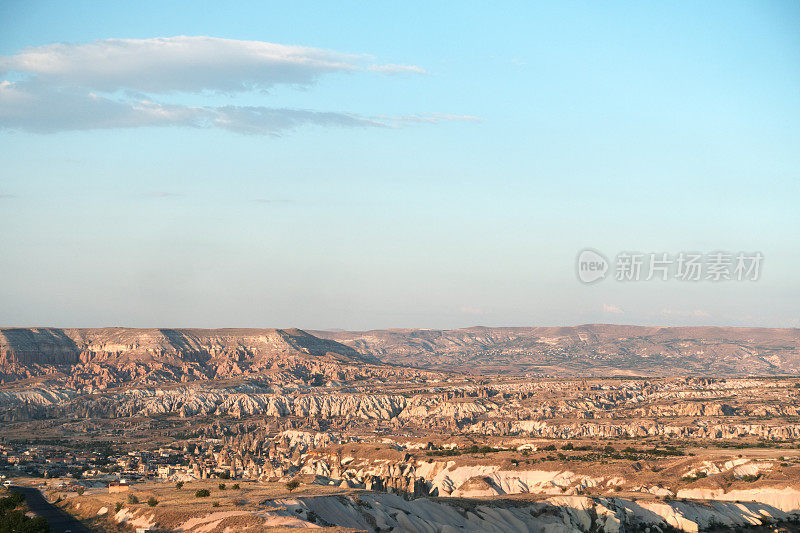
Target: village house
118 486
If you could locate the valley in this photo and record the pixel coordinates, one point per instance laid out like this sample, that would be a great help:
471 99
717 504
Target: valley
285 429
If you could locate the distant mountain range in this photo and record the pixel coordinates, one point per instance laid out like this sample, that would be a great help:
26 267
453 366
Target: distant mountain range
594 349
106 357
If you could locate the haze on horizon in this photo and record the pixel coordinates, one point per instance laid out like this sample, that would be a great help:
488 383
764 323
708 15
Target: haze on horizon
349 166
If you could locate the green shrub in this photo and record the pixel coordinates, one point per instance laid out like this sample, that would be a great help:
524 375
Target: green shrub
132 499
13 520
202 493
179 485
221 486
698 475
291 485
444 453
152 502
11 501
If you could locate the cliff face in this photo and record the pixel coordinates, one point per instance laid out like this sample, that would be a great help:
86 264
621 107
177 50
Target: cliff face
37 346
105 356
68 346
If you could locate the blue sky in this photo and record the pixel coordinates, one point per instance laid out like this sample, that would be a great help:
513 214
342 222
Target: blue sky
418 166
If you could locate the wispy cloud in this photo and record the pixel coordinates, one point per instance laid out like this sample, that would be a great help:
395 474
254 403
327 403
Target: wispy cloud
6 196
397 69
429 118
34 107
30 106
116 83
613 309
259 120
161 194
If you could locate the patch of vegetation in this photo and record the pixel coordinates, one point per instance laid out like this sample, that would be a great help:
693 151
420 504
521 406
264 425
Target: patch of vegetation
760 444
291 485
152 502
444 453
222 486
132 499
695 477
118 507
312 517
202 493
179 485
461 451
11 501
668 451
13 519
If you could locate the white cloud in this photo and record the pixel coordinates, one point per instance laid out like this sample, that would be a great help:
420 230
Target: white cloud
35 107
259 120
609 308
32 107
398 69
184 64
113 83
432 118
470 310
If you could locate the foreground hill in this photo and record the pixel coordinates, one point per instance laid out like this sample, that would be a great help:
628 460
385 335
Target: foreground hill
106 356
596 349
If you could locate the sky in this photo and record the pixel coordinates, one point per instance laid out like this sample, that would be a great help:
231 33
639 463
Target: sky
363 165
